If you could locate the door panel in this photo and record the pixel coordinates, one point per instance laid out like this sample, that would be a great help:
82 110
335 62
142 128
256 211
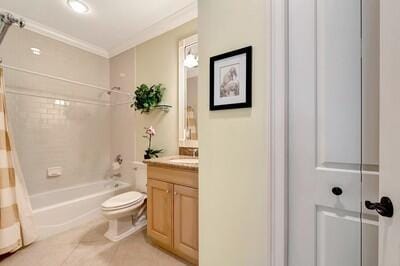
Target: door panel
339 237
338 83
326 129
159 211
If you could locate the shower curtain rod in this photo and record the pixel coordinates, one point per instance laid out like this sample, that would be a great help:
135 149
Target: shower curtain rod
65 80
11 91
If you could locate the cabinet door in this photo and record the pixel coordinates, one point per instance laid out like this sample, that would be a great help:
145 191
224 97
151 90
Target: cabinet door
159 211
186 221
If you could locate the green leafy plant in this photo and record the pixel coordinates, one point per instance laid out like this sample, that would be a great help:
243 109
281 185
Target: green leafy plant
147 98
150 153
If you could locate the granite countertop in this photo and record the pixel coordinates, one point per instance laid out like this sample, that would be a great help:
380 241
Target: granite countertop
166 161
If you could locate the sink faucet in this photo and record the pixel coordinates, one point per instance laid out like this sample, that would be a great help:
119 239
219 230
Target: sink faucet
195 152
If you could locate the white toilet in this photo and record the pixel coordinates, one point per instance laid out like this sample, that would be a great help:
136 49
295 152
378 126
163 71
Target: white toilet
127 212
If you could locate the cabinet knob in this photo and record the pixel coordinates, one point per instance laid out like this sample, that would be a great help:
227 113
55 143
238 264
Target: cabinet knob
167 191
337 191
175 193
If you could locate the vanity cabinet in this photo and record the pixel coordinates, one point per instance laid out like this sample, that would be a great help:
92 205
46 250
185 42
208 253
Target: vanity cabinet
186 209
172 210
159 211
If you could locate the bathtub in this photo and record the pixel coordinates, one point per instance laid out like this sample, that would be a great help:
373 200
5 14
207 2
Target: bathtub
62 209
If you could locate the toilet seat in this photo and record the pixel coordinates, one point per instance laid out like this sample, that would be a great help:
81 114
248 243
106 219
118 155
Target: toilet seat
121 201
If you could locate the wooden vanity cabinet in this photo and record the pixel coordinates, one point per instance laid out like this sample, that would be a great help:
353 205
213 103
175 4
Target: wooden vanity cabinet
172 211
186 221
159 211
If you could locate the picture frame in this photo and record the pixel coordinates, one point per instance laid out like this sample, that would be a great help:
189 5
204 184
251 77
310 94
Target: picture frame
231 79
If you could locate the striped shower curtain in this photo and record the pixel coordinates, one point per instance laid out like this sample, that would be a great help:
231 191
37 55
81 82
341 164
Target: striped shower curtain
191 123
16 219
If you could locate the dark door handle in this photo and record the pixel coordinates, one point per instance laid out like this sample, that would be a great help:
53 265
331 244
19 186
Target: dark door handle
384 207
337 191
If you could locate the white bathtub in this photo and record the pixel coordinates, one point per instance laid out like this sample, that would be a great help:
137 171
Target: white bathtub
62 209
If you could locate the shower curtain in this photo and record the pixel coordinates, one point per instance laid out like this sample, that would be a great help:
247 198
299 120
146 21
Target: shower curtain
191 123
16 219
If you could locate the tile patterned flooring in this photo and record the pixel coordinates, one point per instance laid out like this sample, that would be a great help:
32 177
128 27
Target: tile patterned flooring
86 246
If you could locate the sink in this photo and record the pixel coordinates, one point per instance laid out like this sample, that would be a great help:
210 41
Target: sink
185 160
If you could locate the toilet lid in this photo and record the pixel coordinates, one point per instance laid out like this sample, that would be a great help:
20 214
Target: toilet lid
122 200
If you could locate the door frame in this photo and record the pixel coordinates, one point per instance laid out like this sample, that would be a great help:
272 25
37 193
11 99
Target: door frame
279 130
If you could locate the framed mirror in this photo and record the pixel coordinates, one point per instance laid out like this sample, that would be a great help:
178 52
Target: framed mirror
188 84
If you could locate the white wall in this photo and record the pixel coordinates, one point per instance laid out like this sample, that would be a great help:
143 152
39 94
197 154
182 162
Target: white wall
234 184
75 136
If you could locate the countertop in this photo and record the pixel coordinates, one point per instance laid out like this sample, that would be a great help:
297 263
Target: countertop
166 162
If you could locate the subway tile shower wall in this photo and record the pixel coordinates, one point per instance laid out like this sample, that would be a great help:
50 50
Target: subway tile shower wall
51 132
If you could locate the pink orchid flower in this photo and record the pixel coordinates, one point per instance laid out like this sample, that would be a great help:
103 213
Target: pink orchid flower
150 131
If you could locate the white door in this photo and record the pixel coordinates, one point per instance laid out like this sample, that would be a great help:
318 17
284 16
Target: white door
389 228
333 130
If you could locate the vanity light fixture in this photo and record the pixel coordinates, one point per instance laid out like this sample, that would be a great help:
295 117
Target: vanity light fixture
78 6
191 61
35 51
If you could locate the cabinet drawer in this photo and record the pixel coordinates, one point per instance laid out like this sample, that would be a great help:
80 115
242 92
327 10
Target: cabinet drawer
173 175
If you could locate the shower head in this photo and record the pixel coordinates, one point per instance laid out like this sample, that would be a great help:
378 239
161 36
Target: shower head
6 20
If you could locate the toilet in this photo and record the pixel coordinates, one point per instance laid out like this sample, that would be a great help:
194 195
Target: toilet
126 212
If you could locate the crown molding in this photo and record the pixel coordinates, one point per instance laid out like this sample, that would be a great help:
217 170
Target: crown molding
166 24
65 38
59 36
176 19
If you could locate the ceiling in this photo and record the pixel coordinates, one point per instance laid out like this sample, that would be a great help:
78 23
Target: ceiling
110 27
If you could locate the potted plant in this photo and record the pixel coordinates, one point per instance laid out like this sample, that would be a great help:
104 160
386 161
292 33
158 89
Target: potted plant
147 98
150 153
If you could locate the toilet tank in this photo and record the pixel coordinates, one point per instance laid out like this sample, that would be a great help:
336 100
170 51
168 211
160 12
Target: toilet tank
140 174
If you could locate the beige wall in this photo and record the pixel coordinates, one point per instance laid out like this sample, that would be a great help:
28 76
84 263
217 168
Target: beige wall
157 62
234 204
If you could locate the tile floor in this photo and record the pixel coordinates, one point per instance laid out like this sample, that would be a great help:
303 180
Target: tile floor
86 246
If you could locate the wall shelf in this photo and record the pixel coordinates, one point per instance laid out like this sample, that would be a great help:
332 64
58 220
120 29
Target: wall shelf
164 107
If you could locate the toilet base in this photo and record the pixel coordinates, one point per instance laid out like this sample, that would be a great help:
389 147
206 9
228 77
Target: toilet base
121 228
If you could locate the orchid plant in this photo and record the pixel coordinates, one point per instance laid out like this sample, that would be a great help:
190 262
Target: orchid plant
150 132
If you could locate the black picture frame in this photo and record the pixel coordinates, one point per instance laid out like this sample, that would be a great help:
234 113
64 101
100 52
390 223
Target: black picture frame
248 51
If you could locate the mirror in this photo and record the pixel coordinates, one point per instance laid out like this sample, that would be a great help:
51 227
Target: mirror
188 83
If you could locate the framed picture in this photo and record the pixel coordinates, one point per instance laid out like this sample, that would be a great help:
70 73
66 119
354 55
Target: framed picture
230 79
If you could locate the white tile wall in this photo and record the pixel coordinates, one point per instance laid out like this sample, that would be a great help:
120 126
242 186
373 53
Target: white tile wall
75 136
72 135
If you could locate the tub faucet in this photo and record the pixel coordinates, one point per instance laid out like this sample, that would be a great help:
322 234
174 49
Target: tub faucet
119 159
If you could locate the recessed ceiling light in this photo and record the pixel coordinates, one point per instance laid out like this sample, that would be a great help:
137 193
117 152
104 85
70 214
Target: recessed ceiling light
35 51
78 6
